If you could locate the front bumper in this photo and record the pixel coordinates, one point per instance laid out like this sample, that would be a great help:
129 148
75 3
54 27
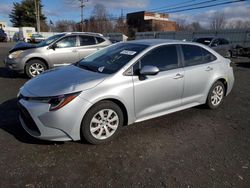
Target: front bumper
15 64
60 125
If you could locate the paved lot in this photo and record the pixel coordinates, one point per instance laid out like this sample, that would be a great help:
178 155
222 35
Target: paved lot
192 148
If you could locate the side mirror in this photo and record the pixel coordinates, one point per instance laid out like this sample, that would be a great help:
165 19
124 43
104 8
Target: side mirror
53 46
149 70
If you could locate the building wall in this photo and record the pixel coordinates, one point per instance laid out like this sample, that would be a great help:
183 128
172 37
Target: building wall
150 21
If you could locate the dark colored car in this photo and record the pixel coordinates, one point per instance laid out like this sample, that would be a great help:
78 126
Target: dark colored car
220 45
3 36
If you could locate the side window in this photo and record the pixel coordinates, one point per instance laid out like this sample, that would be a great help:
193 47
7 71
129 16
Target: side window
192 55
67 42
207 56
164 57
87 40
99 39
215 43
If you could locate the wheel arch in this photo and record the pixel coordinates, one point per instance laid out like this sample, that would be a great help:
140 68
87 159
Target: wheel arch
221 79
117 102
38 58
122 107
224 81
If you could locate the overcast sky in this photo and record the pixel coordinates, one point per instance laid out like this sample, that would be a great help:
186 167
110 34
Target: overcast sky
69 9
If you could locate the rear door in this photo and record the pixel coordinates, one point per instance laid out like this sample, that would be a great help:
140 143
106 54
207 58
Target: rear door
155 94
198 68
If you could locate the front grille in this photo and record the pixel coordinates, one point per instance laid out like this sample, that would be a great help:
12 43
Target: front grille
29 122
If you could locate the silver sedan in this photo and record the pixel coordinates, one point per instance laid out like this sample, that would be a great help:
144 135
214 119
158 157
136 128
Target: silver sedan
122 84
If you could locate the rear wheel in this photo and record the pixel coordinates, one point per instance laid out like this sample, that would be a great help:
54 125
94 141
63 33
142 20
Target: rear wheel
34 68
102 122
216 95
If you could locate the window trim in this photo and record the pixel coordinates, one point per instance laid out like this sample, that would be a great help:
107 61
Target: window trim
130 70
79 42
203 60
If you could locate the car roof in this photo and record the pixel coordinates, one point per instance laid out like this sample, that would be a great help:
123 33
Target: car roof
155 42
84 33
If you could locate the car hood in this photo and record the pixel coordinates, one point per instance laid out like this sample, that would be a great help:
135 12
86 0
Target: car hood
22 46
62 80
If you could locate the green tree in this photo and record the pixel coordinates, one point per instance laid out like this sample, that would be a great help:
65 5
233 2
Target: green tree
23 15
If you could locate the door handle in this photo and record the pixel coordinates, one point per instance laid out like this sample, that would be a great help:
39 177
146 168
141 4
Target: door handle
178 76
74 50
208 68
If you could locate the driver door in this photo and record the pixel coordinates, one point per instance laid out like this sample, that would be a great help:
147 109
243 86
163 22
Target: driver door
156 94
65 52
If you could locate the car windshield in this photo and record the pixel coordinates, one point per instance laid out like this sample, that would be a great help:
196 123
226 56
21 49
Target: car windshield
49 40
111 59
205 41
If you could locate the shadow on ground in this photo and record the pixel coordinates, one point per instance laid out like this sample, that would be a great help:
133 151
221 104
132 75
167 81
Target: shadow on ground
9 122
6 73
244 65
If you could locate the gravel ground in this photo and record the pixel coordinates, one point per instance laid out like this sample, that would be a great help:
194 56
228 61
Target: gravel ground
191 148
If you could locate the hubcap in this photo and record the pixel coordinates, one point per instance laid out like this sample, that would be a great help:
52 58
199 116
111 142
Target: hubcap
104 124
36 69
217 95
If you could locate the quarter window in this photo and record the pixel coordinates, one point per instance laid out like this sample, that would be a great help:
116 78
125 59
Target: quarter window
67 42
164 57
207 56
87 40
192 55
99 39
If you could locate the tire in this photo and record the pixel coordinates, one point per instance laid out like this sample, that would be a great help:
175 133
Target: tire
216 95
111 122
34 67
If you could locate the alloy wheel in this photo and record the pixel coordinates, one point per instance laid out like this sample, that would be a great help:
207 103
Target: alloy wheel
104 124
217 95
36 69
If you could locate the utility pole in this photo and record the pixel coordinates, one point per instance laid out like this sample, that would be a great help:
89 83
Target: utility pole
37 12
81 6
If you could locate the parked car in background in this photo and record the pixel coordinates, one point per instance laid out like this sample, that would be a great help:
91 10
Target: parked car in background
3 36
220 45
58 50
36 38
122 84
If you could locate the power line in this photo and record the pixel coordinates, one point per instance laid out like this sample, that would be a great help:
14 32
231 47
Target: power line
170 5
205 6
184 8
190 5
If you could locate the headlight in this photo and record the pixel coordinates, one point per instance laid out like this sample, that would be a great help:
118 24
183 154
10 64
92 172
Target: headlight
15 54
56 102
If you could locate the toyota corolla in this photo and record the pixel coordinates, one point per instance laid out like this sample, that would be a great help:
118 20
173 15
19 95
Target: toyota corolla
122 84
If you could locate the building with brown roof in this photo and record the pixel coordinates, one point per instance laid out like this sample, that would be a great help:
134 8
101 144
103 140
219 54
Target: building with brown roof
150 21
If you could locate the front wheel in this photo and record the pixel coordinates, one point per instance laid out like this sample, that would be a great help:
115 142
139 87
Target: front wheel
34 68
102 122
216 95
